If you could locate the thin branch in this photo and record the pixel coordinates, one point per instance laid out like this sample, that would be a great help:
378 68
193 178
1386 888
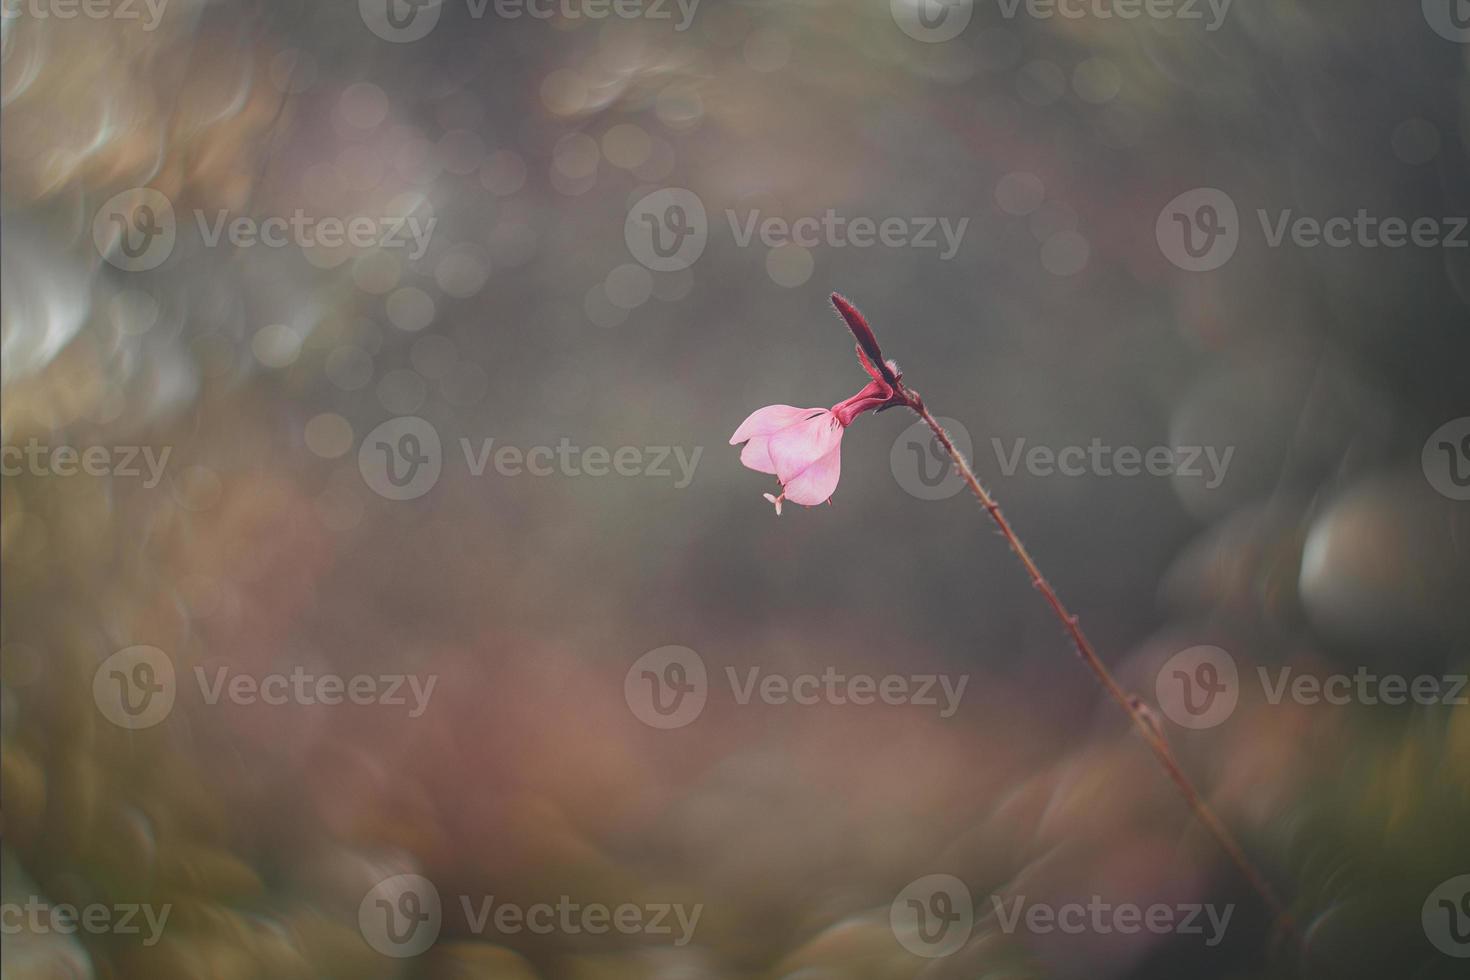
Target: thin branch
1143 718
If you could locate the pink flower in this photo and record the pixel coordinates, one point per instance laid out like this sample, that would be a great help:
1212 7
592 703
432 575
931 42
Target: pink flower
802 446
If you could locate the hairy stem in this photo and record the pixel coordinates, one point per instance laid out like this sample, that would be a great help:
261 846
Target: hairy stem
1143 719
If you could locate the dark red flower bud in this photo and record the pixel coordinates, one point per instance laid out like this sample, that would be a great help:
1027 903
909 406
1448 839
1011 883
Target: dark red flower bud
868 351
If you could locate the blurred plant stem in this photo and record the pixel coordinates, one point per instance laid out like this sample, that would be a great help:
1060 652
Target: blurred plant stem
1143 718
886 375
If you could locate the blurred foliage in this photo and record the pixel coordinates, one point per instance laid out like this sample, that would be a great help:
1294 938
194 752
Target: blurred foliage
262 547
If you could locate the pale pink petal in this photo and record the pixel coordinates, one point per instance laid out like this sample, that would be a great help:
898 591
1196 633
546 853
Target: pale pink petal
796 447
776 501
757 454
814 485
765 421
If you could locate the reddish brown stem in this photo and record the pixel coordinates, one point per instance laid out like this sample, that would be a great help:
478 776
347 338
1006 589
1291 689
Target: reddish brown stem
1142 718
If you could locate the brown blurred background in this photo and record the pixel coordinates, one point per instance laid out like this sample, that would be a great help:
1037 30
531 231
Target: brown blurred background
1331 543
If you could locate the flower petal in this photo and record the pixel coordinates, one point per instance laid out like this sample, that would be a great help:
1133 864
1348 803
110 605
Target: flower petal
814 485
772 418
796 447
757 455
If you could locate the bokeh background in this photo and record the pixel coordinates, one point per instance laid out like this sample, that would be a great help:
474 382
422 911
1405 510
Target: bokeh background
1330 545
